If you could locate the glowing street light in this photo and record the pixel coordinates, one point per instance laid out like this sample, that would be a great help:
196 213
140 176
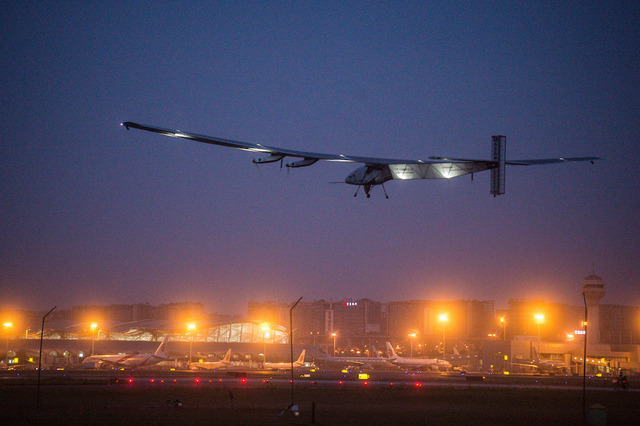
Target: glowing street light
93 340
504 328
412 336
334 343
444 318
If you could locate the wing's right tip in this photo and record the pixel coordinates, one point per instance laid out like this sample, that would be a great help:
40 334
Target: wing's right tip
125 124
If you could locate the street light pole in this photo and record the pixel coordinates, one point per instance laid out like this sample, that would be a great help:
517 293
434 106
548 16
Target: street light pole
191 327
293 408
444 344
444 318
93 336
584 363
7 325
411 337
334 343
265 328
40 357
539 319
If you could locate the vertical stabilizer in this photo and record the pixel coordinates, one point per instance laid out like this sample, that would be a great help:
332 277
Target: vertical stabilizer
499 155
536 359
162 349
391 354
374 352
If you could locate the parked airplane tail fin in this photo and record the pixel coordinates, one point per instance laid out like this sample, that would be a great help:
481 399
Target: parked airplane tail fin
390 352
227 356
301 357
162 349
374 352
536 359
499 155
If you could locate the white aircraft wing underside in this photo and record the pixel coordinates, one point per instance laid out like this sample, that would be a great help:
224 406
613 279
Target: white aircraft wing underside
256 147
438 170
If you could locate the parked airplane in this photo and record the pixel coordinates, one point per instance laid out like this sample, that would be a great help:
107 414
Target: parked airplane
212 365
550 366
284 365
462 362
377 171
132 360
374 362
432 364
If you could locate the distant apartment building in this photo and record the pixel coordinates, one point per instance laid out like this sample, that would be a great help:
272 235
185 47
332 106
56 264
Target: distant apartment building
619 324
351 320
458 319
559 322
548 320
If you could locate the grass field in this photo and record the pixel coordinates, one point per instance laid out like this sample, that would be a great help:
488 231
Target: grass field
218 404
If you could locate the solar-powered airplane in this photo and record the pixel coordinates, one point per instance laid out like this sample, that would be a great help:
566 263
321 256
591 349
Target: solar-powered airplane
377 171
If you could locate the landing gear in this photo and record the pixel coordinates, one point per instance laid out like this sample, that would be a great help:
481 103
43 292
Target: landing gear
367 189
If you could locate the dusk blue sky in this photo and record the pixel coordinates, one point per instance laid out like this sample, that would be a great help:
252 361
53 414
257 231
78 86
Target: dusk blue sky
93 214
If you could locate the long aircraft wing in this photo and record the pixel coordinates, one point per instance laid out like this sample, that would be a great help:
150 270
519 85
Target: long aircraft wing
529 162
284 152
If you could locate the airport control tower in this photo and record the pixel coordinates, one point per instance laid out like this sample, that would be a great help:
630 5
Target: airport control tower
593 290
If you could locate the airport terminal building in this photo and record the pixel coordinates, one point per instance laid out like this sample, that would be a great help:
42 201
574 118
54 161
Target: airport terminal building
470 332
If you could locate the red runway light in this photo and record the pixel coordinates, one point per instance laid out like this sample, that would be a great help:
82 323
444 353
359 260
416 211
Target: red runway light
366 383
162 381
418 385
219 380
197 381
130 380
340 382
153 380
243 380
391 384
174 380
